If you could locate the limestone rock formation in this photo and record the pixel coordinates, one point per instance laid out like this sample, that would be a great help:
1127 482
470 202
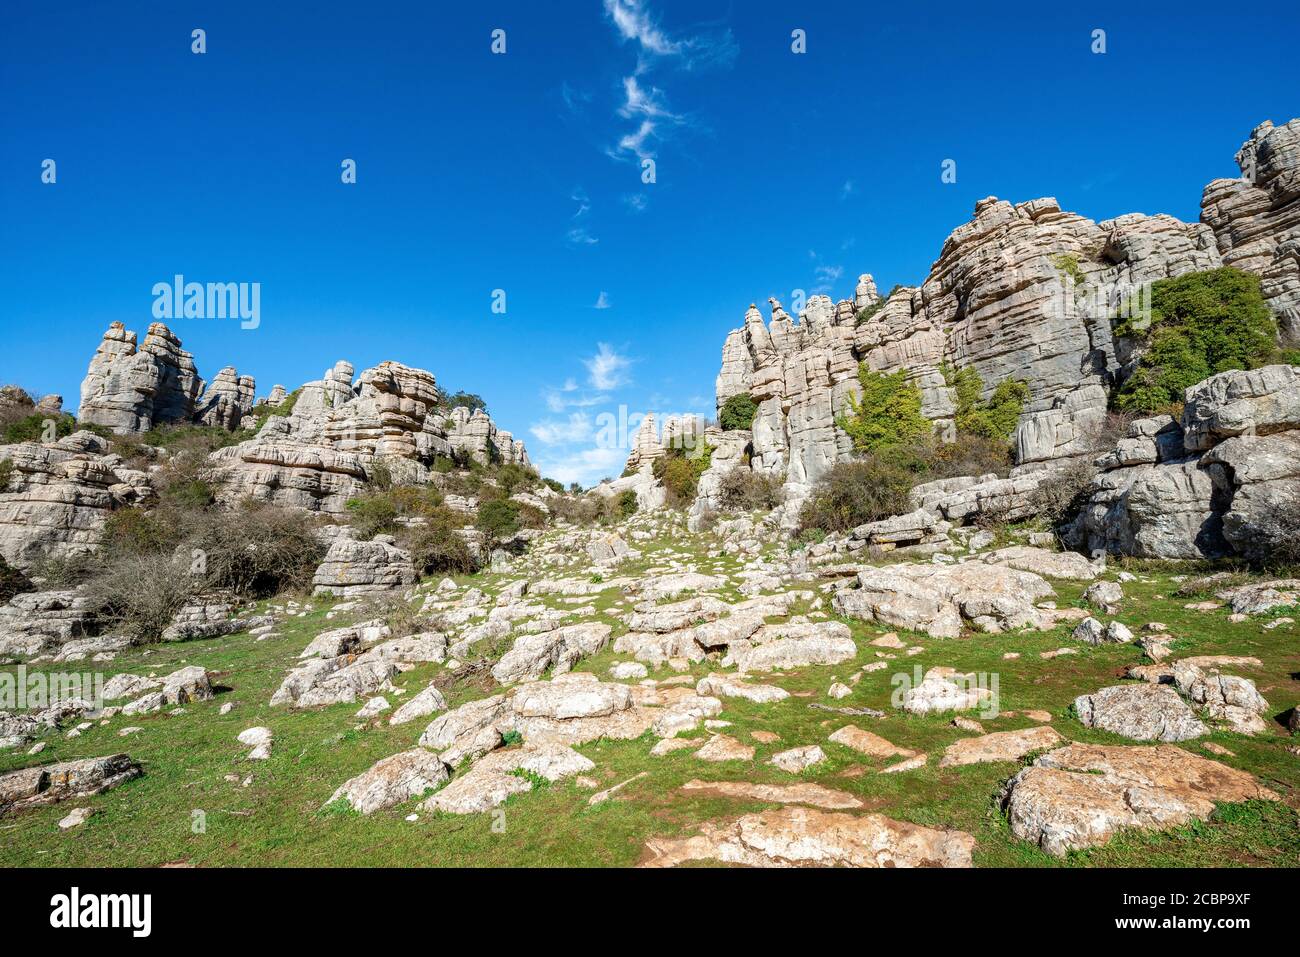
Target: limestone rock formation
1256 219
340 434
129 389
352 568
1224 480
1078 796
59 496
1025 292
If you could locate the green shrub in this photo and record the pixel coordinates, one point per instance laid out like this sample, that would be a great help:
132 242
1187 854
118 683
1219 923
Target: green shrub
513 478
285 409
680 469
1202 323
743 489
994 419
138 531
31 428
738 412
467 400
498 519
626 504
853 493
6 473
372 514
887 413
437 546
553 485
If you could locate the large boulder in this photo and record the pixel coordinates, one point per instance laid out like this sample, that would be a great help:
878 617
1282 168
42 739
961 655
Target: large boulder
352 568
939 599
1080 795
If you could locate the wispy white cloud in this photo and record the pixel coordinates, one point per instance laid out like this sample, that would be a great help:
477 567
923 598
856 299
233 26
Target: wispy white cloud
848 189
577 428
602 301
636 24
578 233
643 102
636 201
586 466
607 369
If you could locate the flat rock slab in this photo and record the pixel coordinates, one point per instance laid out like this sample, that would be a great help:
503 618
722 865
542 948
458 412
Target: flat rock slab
1143 712
999 746
806 837
52 783
797 760
394 780
1080 795
872 745
804 793
725 748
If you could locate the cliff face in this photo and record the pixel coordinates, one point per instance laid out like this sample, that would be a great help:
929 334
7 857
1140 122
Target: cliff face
1024 291
1256 218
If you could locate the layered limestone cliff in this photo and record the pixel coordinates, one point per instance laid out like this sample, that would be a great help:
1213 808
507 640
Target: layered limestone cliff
129 389
1023 292
340 434
1222 480
1256 219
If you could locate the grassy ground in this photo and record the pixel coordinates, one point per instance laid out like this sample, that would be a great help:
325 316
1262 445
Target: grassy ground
279 819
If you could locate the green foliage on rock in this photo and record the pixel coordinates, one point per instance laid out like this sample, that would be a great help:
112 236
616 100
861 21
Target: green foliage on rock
1201 323
31 428
679 470
992 419
738 412
887 413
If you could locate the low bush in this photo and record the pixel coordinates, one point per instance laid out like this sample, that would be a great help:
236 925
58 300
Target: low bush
377 510
32 428
679 471
141 594
498 519
257 550
625 504
1061 496
743 489
437 546
853 493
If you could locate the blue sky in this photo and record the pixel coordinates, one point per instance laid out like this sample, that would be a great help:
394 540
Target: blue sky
775 171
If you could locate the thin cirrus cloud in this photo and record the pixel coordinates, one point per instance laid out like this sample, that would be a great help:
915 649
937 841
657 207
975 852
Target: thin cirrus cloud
644 102
607 369
573 450
602 301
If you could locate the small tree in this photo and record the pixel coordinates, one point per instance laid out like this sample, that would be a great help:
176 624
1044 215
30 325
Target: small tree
498 519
